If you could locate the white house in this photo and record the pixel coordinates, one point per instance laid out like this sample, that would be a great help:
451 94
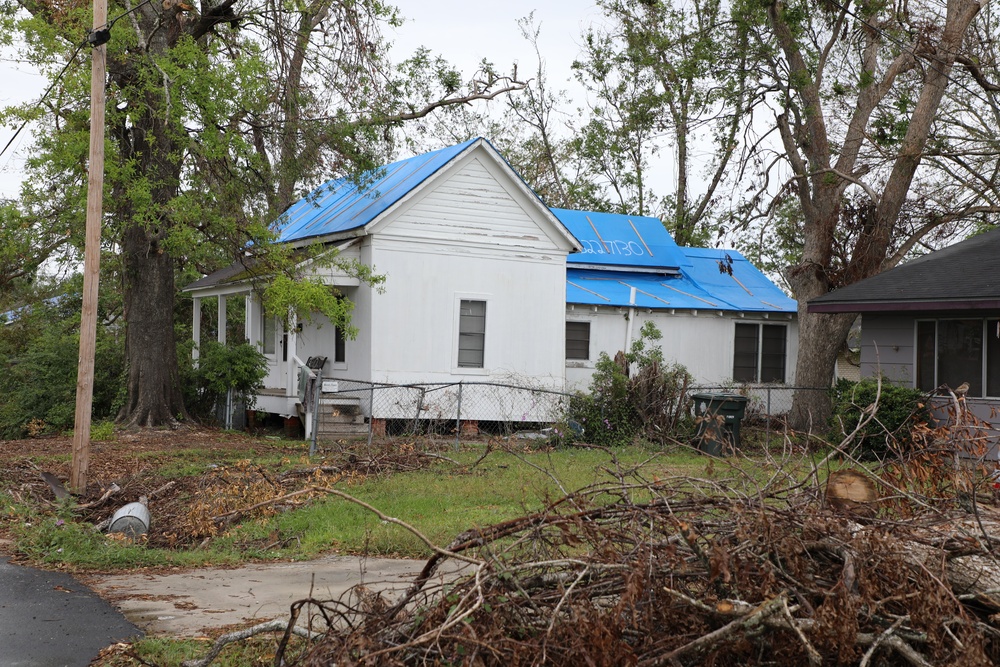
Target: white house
483 281
475 266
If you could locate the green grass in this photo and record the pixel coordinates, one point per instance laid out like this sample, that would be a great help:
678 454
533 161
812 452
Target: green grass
440 501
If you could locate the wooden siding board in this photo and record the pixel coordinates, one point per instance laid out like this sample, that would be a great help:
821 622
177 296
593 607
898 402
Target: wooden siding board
470 208
887 347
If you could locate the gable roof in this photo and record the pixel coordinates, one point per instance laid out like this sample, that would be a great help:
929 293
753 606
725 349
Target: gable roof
352 207
703 282
344 204
637 243
959 277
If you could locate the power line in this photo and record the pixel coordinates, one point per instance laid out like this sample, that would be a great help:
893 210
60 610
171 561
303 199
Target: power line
95 38
47 91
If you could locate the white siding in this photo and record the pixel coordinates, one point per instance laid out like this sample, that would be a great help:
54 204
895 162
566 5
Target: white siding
415 321
702 342
887 347
473 211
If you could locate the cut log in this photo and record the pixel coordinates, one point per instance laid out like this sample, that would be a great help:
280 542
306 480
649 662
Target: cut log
851 491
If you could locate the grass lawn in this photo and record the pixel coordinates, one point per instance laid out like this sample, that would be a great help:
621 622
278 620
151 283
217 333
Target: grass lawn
451 491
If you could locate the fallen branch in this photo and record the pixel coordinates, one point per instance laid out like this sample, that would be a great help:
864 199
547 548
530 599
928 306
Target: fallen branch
240 635
707 642
234 515
111 490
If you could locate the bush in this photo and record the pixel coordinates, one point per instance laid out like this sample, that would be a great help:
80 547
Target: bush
40 347
898 410
634 394
220 368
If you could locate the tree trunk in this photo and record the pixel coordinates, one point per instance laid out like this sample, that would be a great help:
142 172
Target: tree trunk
820 191
154 391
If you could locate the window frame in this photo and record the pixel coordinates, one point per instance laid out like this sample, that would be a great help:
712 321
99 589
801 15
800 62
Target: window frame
980 387
760 353
268 334
461 326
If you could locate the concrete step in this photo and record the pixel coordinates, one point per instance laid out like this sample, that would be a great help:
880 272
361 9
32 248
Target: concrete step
337 430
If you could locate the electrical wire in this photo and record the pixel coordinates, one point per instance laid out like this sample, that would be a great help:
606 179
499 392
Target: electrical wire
107 27
52 85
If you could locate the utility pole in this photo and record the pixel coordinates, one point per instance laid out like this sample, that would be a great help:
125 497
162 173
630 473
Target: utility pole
92 251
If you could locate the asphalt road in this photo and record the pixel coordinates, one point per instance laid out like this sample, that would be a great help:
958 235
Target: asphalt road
49 619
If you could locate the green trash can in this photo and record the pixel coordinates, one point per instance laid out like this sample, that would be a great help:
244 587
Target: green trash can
719 417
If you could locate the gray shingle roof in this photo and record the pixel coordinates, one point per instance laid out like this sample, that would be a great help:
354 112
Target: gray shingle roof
964 276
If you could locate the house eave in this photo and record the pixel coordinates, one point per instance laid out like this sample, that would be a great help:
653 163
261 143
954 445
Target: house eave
903 306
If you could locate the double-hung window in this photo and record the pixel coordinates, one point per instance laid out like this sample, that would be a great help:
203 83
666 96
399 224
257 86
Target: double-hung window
759 352
471 333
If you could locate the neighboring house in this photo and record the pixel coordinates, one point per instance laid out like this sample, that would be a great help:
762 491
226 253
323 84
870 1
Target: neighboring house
478 289
932 321
720 317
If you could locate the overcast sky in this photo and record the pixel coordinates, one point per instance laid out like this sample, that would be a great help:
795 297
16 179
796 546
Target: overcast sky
463 32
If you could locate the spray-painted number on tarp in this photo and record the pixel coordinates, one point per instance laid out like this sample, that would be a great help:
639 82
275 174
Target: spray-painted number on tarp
614 247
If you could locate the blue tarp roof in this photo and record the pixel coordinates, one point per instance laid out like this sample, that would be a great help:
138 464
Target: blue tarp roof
341 205
701 285
611 239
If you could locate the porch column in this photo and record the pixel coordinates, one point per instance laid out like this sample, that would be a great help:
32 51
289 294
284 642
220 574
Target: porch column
291 365
196 329
221 337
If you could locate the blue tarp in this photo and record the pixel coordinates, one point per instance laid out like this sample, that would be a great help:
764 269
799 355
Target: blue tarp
341 205
619 251
611 239
704 283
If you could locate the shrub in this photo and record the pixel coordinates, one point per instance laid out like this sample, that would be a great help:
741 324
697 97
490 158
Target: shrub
898 410
40 349
634 394
220 368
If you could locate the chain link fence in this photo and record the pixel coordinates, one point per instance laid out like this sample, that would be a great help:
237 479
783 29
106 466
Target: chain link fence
767 405
354 408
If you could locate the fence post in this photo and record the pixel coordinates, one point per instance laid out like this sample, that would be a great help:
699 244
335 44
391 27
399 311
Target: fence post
767 428
317 389
420 406
371 412
458 417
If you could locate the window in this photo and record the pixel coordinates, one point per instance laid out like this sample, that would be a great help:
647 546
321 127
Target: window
339 346
471 333
268 329
955 351
578 340
759 352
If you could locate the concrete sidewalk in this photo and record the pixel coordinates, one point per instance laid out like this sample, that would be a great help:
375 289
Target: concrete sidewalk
186 603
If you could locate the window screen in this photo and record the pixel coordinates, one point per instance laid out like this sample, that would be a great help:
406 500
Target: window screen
960 354
578 340
772 353
339 346
745 354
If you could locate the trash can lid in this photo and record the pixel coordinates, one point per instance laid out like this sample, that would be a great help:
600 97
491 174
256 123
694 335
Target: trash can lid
719 397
